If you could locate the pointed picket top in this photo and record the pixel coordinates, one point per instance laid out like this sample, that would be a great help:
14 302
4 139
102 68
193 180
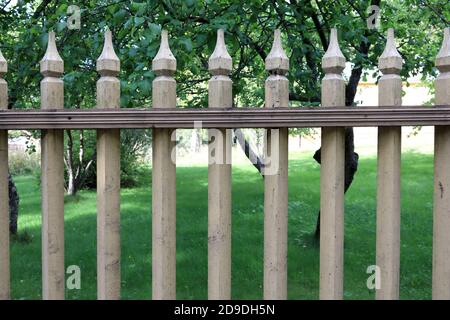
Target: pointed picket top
3 65
443 57
390 61
333 60
51 63
164 61
277 60
108 63
220 62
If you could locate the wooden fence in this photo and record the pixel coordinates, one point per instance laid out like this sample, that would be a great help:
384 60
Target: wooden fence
332 117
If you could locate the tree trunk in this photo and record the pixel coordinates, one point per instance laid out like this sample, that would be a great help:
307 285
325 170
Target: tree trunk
249 153
13 194
71 188
13 206
351 165
77 171
351 158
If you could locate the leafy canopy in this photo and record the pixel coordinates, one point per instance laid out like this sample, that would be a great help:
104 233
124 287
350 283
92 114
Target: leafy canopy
192 26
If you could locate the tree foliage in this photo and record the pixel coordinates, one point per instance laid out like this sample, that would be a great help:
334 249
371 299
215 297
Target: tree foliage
249 25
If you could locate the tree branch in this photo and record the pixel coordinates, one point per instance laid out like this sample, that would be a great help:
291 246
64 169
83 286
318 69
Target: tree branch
249 153
355 76
40 9
319 28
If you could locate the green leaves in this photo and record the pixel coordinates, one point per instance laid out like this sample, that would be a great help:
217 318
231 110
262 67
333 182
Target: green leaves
154 28
187 43
119 16
138 8
60 26
138 21
145 87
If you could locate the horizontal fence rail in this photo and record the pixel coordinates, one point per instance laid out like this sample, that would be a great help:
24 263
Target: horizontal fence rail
306 117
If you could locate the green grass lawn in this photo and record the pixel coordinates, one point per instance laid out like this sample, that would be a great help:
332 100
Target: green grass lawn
247 257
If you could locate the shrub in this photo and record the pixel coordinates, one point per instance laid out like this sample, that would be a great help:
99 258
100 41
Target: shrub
23 163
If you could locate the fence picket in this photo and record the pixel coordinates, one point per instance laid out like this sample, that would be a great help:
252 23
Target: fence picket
388 179
164 179
332 178
276 177
4 194
108 178
441 221
219 177
52 180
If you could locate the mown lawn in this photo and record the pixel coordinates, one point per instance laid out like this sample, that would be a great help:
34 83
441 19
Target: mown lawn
303 257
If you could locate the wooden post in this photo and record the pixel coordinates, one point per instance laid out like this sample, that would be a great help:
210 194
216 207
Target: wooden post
219 177
52 180
108 178
276 178
332 178
441 222
4 193
164 179
388 180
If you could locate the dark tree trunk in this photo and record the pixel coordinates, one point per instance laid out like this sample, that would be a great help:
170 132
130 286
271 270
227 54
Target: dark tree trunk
351 158
13 194
13 206
351 165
